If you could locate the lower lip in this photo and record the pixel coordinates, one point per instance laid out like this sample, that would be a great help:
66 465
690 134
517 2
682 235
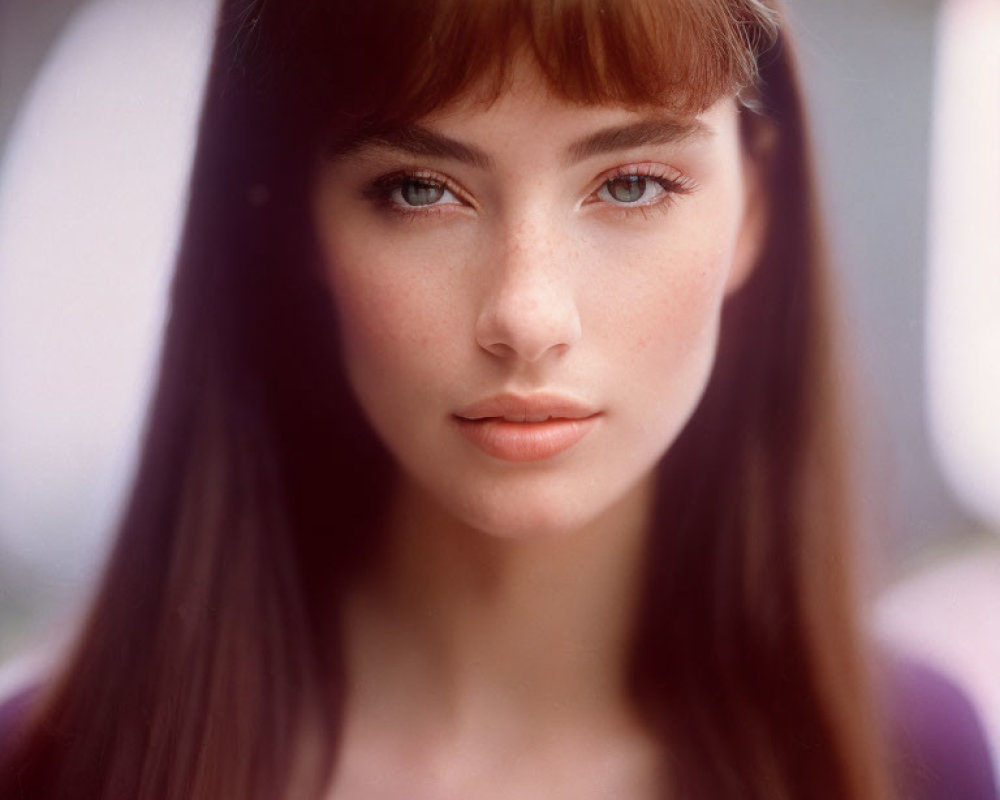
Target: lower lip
525 441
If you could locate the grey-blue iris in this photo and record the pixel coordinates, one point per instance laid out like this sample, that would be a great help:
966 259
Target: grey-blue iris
421 193
627 188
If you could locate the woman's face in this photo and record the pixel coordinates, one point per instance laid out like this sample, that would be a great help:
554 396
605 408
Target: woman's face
529 294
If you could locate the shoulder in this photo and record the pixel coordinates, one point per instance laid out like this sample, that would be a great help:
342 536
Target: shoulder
938 746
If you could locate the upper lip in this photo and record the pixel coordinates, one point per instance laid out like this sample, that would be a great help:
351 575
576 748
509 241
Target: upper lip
526 408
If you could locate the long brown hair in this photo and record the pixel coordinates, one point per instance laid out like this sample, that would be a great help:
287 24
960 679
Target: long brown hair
211 655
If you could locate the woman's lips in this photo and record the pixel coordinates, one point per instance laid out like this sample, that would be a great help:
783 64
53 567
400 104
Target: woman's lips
524 441
525 428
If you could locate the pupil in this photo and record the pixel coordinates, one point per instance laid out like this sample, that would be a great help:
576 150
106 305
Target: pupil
420 193
628 188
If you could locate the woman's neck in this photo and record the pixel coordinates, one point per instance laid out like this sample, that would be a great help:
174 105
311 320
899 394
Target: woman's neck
456 626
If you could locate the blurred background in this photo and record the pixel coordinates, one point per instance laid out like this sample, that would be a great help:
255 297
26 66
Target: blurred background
98 111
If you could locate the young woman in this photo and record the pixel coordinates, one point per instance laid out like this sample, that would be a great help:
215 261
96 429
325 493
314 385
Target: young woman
495 451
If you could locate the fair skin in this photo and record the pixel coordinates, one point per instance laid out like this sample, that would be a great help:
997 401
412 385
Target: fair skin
572 261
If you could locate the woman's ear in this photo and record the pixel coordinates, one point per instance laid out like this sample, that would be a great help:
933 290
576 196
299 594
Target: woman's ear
759 142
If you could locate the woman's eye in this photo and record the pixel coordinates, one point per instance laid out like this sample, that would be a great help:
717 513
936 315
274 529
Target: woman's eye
631 190
420 192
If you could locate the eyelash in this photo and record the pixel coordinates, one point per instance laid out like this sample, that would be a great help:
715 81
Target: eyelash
382 190
674 185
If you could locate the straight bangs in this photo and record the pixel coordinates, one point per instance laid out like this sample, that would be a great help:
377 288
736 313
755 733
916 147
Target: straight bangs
356 68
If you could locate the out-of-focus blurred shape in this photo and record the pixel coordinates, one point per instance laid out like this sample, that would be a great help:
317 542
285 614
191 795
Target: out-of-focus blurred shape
92 188
963 334
949 613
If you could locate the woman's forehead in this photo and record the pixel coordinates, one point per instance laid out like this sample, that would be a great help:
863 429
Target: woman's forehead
527 108
529 112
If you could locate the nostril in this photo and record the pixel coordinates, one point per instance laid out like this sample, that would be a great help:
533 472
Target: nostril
498 349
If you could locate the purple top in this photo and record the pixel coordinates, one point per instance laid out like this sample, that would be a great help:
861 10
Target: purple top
938 748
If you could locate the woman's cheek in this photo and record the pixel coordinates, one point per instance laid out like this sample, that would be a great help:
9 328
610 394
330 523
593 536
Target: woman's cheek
396 310
677 336
669 298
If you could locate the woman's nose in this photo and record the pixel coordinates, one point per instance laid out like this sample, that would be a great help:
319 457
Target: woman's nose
530 309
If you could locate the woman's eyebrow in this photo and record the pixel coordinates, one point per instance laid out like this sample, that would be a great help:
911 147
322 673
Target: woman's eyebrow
658 130
417 141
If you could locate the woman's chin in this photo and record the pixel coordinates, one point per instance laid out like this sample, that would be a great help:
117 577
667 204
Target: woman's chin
543 513
527 524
